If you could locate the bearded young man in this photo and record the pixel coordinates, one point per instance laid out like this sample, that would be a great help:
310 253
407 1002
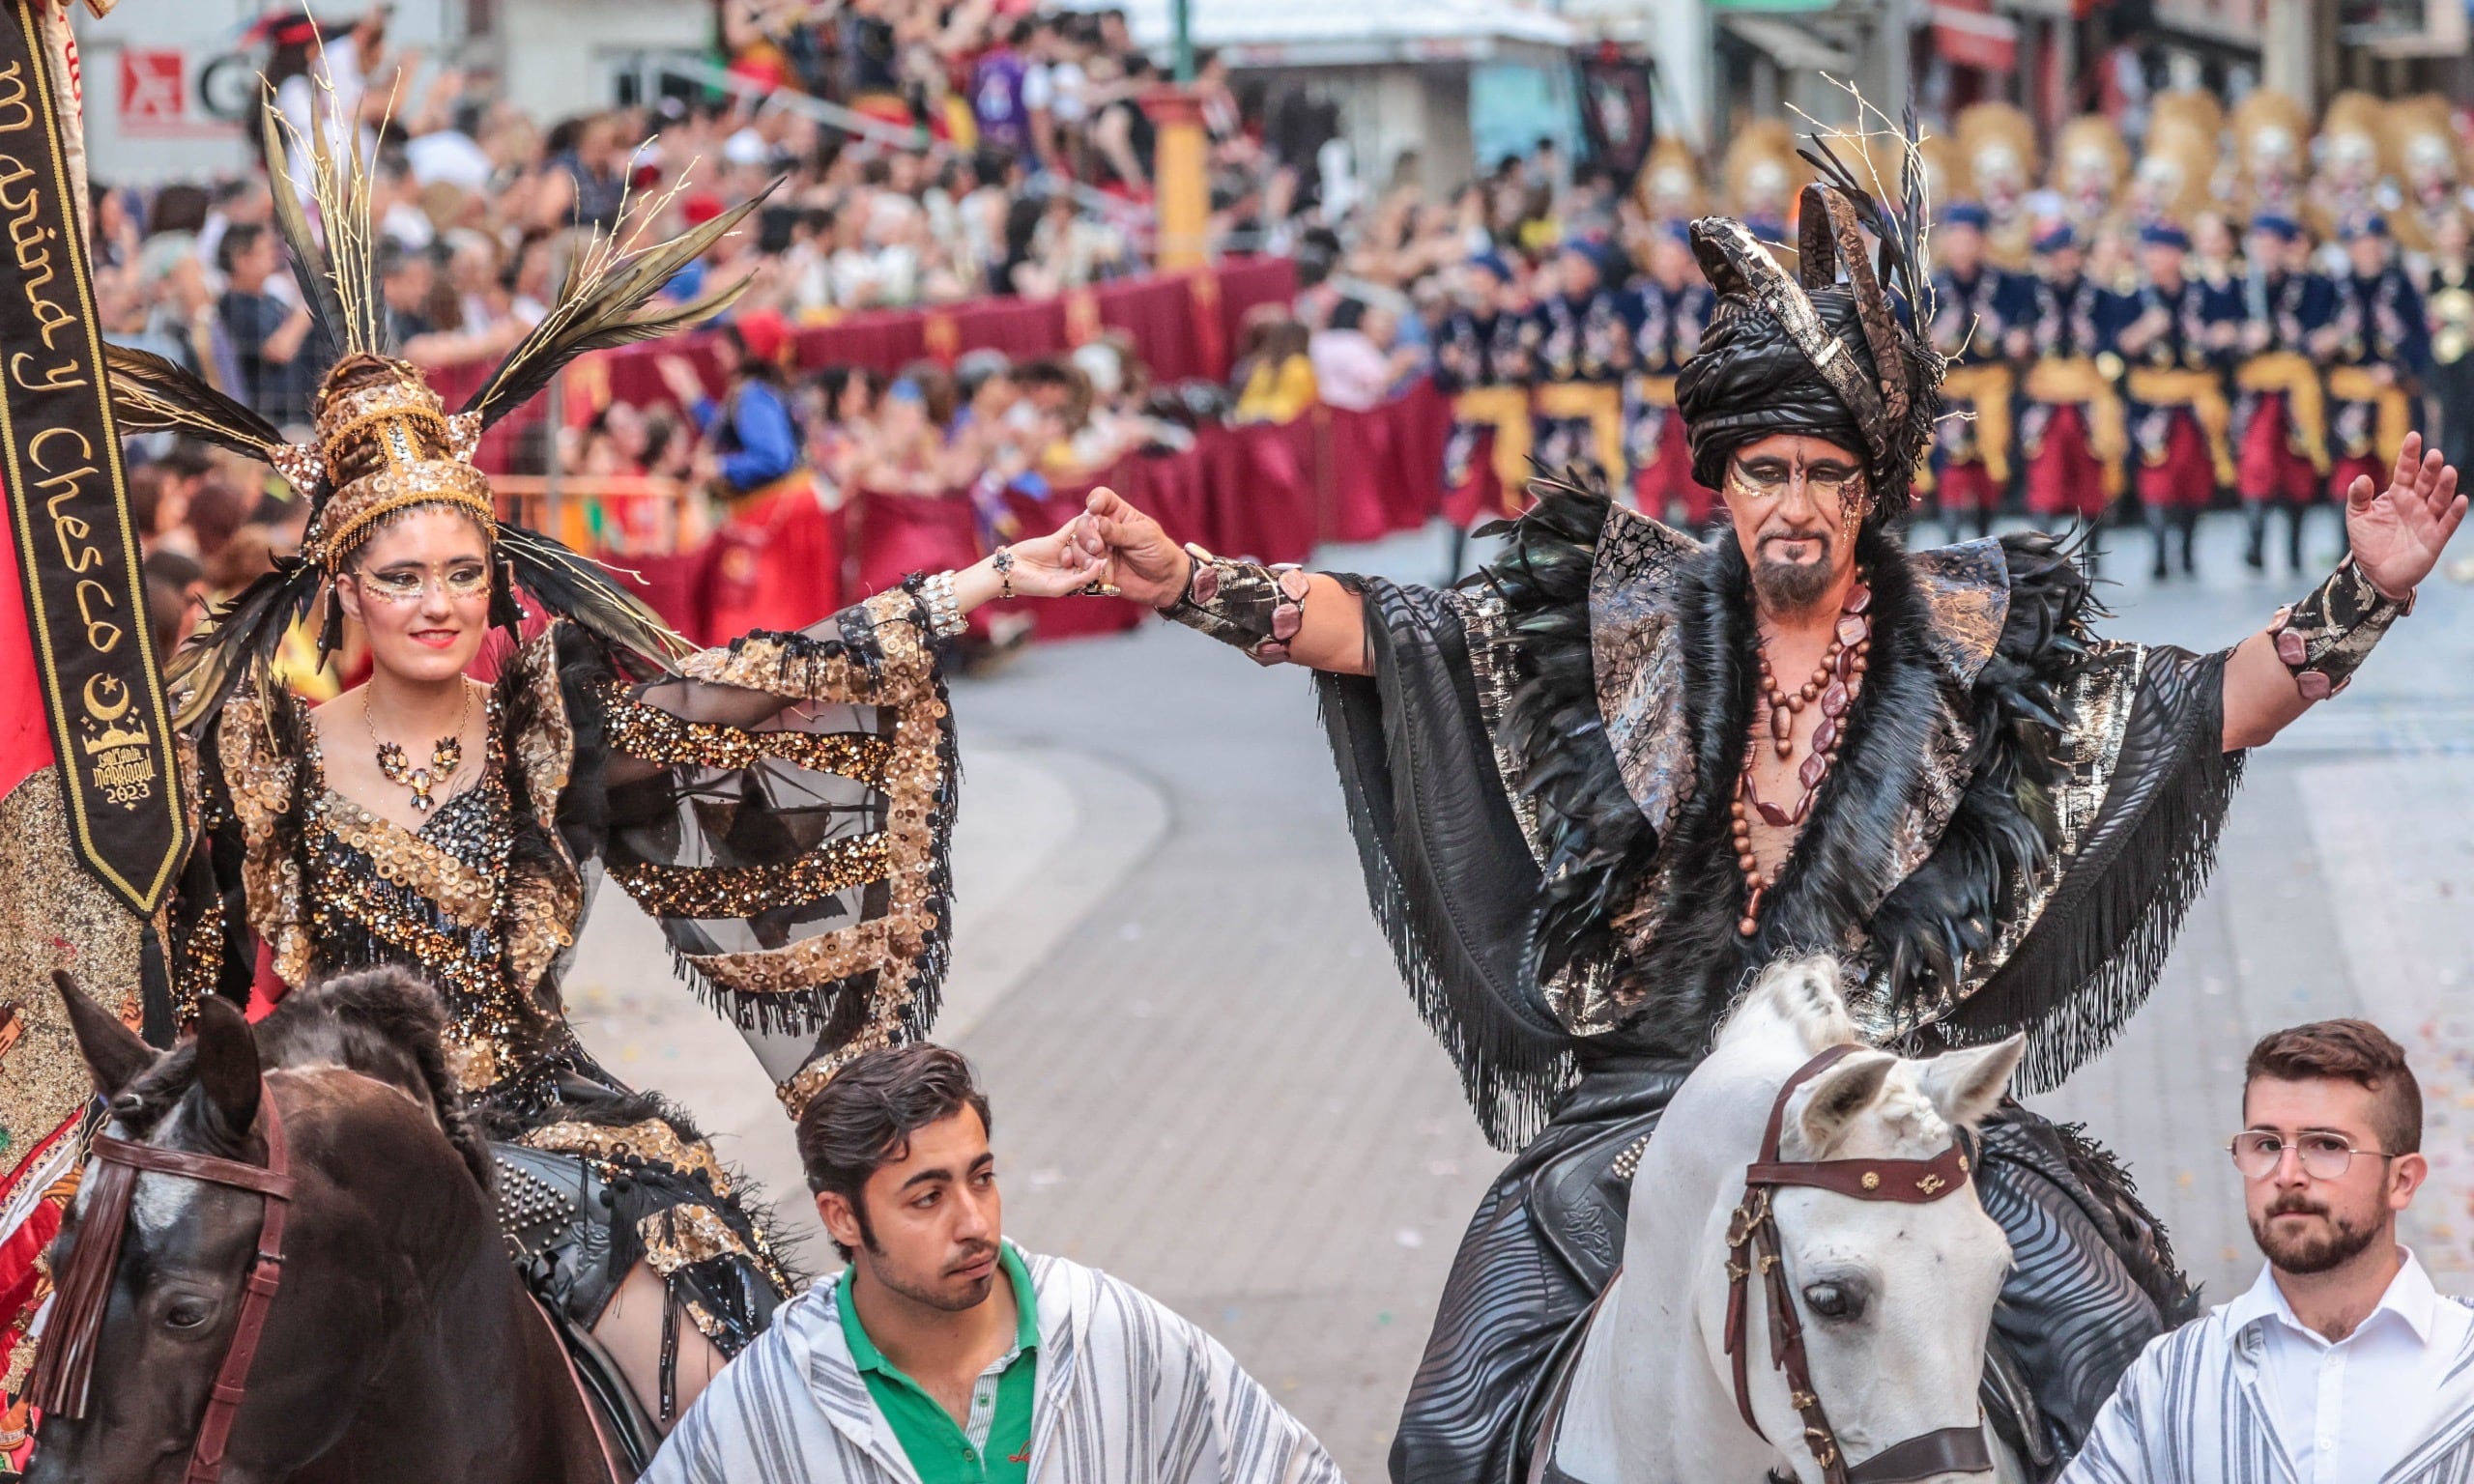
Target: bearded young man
2343 1362
1598 785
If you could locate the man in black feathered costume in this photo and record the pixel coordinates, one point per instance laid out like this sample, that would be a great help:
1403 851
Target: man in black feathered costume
1595 792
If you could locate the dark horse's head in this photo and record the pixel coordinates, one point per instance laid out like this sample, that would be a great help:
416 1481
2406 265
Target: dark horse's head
385 1167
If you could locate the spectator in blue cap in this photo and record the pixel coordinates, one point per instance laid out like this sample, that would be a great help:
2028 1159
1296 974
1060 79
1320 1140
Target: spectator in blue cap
2279 409
1668 312
1583 348
2383 352
1973 305
2169 334
2072 437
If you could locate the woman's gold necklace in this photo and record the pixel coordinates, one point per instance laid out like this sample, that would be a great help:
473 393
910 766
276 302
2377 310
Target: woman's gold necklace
445 756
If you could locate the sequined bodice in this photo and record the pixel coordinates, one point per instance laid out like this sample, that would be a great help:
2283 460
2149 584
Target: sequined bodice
432 899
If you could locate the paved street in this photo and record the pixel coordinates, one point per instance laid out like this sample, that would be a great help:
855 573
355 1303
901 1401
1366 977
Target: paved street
1208 1080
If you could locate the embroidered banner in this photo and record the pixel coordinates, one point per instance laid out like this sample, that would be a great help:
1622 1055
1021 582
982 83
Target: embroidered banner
78 554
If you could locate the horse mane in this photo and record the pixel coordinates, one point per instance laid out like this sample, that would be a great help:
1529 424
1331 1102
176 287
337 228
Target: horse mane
385 1023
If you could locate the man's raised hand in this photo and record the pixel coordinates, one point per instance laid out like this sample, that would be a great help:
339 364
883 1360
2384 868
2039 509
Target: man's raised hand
1145 565
2398 533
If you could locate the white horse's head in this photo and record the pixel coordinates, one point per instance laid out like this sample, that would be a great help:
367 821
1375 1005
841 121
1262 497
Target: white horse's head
1894 1298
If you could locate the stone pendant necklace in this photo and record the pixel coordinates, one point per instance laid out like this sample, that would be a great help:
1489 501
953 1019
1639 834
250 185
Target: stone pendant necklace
445 754
1833 686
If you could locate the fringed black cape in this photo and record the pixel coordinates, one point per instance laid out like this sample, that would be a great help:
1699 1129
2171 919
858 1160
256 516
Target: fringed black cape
1538 776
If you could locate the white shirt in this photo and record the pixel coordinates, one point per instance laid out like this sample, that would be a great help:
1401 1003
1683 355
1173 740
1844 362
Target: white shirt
2347 1411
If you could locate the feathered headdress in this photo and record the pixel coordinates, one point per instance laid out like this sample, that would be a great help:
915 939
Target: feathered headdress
384 442
1805 352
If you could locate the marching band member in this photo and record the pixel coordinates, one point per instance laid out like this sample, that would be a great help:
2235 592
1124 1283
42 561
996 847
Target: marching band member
2173 344
1582 347
2356 156
2383 350
1668 313
1482 363
2073 432
2089 162
2448 298
2272 154
1975 304
2280 414
2431 161
1998 148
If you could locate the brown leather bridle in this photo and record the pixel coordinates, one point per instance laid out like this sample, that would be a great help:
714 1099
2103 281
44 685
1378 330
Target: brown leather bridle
67 1364
1752 1242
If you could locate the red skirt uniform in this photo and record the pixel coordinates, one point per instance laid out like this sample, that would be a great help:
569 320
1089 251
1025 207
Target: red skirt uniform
2064 474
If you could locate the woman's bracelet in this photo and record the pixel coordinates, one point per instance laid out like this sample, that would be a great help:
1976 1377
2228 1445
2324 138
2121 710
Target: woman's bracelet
944 611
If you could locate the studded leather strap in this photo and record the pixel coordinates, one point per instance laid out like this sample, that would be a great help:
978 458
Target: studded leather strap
1752 1246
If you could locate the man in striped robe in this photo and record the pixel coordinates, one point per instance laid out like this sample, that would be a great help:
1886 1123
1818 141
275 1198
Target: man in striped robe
2341 1362
946 1353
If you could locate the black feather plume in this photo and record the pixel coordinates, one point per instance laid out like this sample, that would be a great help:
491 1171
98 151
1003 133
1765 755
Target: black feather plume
310 264
601 305
245 632
584 591
151 395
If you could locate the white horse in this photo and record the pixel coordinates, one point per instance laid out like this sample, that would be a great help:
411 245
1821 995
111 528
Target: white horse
1896 1300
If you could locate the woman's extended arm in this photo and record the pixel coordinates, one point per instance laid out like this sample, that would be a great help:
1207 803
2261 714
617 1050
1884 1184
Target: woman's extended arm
1305 618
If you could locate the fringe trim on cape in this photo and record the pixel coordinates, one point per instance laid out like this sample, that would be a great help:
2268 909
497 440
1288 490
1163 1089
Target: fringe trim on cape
2077 977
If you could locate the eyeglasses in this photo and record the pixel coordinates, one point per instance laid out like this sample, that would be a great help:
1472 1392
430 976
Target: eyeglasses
460 583
1769 483
2258 1153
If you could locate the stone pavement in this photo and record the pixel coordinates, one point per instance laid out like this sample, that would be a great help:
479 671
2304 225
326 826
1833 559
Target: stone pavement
1208 1080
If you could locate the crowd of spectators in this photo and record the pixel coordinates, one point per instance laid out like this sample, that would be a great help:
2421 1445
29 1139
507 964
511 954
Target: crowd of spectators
995 153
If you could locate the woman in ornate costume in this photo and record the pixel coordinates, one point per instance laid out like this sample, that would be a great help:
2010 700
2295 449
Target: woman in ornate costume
781 806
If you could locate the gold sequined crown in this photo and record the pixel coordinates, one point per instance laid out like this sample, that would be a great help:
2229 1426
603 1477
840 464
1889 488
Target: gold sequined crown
386 443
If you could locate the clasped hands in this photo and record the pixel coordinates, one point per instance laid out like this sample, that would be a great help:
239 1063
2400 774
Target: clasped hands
1110 543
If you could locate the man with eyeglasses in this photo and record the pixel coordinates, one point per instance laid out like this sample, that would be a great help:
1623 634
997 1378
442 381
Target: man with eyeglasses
2341 1363
1601 783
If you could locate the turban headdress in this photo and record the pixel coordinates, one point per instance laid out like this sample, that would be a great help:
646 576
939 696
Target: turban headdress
1809 354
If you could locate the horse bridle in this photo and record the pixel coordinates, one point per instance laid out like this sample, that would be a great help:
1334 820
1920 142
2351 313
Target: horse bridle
1752 1243
65 1368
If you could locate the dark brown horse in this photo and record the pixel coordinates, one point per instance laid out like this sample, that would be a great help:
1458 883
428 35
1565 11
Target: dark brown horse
400 1345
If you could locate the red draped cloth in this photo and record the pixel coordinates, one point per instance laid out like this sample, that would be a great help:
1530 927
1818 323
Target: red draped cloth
900 534
776 563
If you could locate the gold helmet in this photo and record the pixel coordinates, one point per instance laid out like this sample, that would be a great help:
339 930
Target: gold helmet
2271 153
2356 156
2432 166
2089 162
1669 188
2176 178
1763 174
382 441
1997 145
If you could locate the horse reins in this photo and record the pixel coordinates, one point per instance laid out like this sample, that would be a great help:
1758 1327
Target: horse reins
1752 1243
66 1366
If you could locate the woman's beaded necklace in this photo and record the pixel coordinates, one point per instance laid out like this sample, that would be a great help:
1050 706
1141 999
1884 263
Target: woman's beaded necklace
445 755
1833 685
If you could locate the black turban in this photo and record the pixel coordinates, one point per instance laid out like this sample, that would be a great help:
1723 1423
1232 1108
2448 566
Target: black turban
1751 377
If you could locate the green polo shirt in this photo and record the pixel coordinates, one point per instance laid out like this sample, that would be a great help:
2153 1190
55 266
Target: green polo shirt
994 1445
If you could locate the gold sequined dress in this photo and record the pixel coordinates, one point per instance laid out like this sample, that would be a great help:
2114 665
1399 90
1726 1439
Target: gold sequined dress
781 806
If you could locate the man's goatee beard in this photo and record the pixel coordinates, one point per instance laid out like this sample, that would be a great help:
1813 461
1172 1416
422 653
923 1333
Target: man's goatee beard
1792 587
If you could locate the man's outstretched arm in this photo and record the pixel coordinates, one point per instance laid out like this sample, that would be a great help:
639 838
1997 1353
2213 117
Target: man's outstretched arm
1293 615
2397 536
